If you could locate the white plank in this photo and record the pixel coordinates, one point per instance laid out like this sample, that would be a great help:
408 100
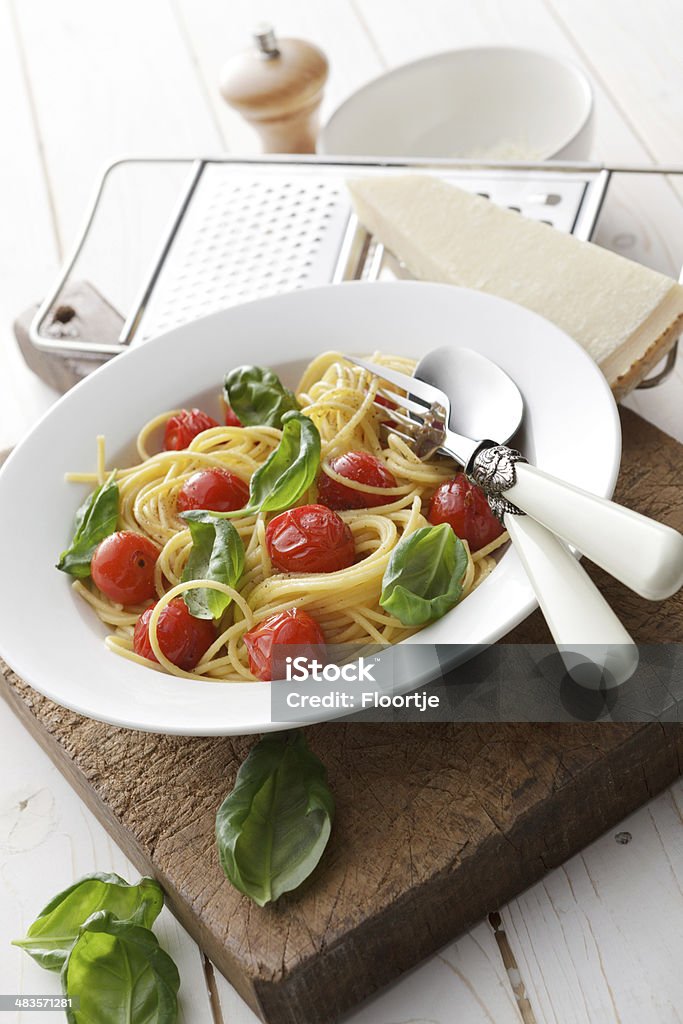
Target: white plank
217 30
637 51
600 938
48 839
464 982
29 257
109 80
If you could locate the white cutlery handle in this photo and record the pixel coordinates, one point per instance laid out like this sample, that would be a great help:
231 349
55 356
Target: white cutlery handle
596 648
644 554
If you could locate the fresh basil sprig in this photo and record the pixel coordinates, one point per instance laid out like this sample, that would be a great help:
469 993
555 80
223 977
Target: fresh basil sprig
95 520
97 933
50 937
286 474
423 579
272 828
119 974
217 554
257 396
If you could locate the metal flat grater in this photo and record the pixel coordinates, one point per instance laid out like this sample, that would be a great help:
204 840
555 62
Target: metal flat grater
243 229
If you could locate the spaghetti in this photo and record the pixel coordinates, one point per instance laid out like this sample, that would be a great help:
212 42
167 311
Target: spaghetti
339 398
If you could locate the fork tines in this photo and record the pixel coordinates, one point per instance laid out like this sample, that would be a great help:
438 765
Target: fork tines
425 428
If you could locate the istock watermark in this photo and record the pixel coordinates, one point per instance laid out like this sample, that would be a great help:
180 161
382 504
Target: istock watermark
303 669
417 682
346 678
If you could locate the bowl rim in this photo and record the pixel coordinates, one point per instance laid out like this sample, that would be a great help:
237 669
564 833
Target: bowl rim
571 66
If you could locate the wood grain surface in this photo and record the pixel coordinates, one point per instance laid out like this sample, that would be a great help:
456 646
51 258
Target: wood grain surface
436 824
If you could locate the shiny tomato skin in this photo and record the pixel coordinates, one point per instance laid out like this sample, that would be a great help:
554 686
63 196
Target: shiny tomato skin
311 538
214 489
122 567
182 428
362 468
231 420
294 626
182 638
463 506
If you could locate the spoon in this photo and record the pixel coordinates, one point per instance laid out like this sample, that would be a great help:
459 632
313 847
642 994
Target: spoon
485 402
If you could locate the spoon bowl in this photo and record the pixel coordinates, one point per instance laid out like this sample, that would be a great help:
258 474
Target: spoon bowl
484 401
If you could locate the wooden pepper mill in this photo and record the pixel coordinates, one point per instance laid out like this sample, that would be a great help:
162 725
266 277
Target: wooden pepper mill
277 87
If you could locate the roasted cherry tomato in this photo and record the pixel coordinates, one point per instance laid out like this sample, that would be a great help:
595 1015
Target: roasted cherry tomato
464 506
182 638
182 428
231 420
213 489
291 627
362 468
123 567
311 538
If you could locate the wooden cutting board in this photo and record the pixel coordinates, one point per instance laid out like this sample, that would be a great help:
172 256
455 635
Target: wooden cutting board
436 826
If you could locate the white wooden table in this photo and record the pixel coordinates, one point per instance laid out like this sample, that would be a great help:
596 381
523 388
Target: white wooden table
599 940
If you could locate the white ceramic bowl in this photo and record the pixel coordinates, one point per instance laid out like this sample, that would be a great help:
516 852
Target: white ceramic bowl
54 640
489 103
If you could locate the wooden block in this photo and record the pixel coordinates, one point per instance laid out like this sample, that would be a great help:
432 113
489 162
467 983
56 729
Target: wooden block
80 314
436 826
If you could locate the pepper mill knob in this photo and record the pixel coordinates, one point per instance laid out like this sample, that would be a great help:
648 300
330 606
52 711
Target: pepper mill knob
277 87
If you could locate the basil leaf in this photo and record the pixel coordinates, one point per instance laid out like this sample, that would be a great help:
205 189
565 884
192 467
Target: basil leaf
271 830
423 579
257 396
290 470
217 554
96 519
54 931
120 975
286 474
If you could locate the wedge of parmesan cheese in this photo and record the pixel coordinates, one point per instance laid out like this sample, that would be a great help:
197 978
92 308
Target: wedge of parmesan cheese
625 315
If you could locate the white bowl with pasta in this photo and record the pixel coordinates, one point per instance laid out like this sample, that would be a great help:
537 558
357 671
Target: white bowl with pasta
53 639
